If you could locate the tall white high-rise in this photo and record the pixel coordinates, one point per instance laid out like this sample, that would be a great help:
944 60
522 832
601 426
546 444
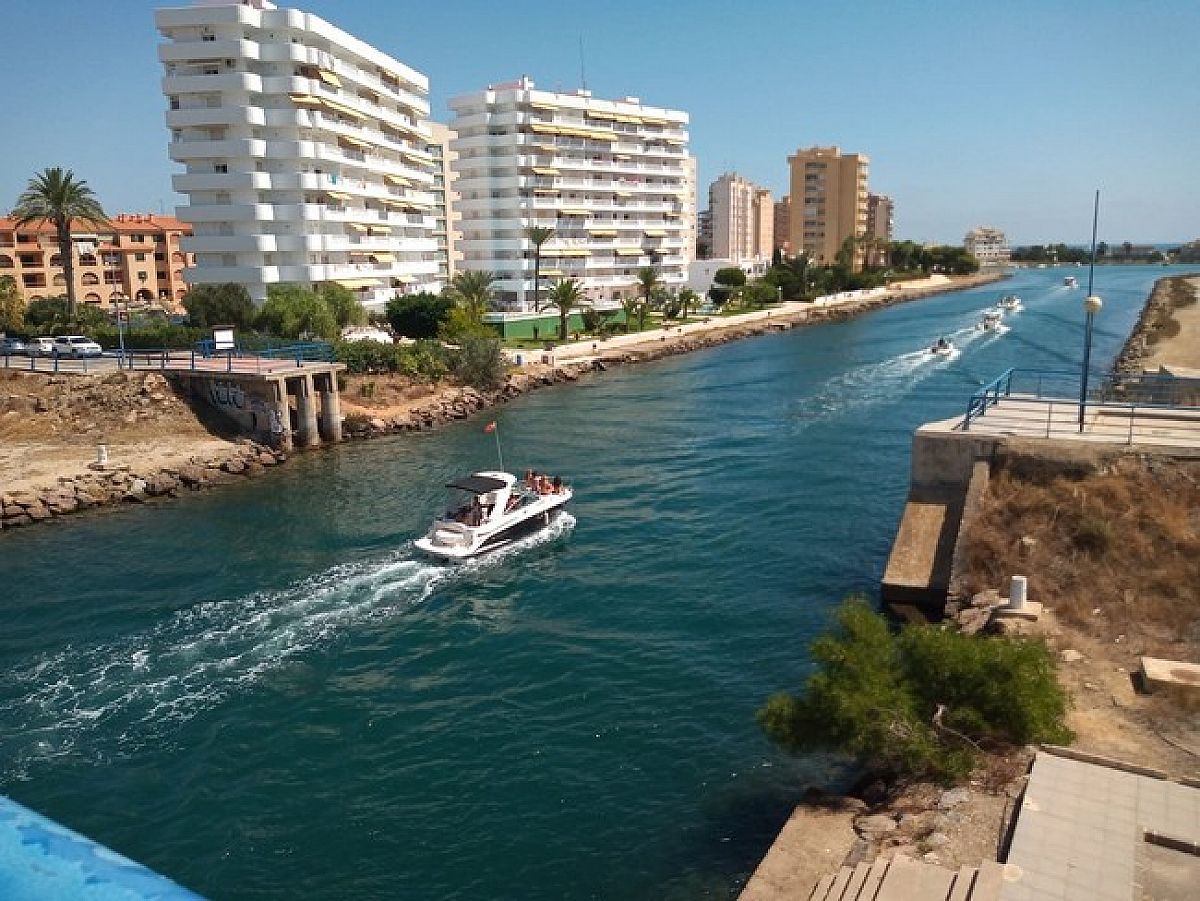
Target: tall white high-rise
742 220
608 176
306 152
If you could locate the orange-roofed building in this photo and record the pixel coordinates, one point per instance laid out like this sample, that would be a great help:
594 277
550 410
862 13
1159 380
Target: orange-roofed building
135 258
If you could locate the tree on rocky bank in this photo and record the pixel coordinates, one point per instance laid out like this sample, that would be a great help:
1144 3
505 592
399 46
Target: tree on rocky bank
57 197
919 703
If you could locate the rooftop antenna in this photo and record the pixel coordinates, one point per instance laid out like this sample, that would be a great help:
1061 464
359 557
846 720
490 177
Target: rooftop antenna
582 70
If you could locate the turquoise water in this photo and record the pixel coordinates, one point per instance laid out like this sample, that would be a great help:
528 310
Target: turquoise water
262 692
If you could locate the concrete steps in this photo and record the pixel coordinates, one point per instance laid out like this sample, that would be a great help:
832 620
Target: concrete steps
904 879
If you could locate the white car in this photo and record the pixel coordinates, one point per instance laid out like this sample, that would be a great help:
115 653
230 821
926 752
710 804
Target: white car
39 347
76 346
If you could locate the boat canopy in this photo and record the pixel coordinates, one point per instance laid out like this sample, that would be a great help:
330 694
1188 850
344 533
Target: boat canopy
477 484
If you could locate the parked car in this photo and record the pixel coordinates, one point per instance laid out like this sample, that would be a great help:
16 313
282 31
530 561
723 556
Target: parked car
76 346
11 346
39 347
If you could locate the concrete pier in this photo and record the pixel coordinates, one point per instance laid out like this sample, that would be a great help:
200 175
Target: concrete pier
307 432
285 406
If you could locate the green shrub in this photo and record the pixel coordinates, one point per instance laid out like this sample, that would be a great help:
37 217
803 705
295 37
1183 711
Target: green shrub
228 304
419 315
919 703
426 360
1094 535
481 363
366 356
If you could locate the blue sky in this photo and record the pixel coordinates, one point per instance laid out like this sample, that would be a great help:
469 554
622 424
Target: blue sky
1008 113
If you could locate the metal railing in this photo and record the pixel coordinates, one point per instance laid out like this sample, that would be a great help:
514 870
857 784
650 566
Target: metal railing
1127 408
202 357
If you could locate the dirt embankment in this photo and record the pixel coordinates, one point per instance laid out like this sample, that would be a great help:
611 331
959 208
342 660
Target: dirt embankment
1113 552
51 426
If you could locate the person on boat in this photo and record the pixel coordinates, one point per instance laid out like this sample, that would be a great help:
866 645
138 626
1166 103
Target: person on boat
557 485
544 486
530 479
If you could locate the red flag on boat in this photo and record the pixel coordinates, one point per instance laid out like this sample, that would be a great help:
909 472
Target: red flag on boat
490 427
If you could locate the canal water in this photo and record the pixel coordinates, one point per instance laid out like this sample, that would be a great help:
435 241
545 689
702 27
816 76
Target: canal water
263 692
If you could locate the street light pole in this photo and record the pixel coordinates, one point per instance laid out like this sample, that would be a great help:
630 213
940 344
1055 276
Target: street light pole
120 329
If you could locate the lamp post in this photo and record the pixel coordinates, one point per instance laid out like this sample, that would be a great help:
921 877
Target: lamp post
116 302
1091 306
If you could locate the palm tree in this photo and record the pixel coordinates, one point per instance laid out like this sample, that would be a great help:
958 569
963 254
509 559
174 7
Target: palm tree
632 308
57 197
566 296
472 290
647 280
538 235
687 298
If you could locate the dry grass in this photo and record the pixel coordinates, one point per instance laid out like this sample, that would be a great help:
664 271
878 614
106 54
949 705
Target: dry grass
1115 551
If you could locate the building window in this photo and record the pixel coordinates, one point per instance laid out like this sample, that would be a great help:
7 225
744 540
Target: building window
140 257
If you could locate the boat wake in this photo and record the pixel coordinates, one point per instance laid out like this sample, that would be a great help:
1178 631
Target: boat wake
147 683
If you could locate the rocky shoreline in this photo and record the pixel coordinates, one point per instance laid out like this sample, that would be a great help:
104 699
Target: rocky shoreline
1158 308
119 485
104 486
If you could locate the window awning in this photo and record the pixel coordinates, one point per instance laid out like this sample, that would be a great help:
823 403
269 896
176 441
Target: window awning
539 128
356 226
655 233
569 252
622 194
305 100
385 229
355 284
397 181
552 272
546 192
353 142
543 106
574 212
404 279
603 232
545 170
347 111
329 78
546 148
337 195
628 251
383 257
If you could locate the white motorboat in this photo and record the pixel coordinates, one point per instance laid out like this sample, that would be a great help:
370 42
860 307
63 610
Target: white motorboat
1010 303
943 347
488 510
1071 281
990 322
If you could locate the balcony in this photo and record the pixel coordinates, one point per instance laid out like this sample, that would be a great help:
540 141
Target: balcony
184 150
189 50
223 82
221 115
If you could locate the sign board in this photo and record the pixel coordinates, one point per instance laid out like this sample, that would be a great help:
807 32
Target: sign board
223 338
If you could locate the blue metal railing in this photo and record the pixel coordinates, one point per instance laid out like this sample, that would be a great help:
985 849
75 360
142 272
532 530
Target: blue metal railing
988 396
1143 391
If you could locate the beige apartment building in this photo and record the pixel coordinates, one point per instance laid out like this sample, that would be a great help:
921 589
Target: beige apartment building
783 225
136 257
988 245
445 201
742 219
880 220
828 201
690 213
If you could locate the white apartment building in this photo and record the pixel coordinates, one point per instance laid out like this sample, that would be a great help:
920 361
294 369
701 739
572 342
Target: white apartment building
691 213
988 245
305 152
609 176
742 217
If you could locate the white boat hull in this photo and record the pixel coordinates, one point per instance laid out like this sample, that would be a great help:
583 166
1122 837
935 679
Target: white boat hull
455 541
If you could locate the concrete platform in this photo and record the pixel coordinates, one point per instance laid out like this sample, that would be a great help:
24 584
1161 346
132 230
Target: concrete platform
919 566
1025 416
815 840
1159 673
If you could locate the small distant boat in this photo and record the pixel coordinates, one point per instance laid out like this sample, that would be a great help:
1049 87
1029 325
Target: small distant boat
488 510
1071 281
1010 303
943 347
991 321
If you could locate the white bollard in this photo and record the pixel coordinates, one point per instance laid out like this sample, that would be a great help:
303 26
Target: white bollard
101 454
1017 587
